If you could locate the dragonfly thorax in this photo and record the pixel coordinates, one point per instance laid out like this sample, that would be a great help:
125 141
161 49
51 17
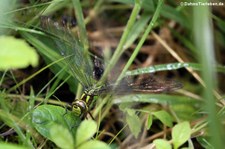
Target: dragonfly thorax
93 91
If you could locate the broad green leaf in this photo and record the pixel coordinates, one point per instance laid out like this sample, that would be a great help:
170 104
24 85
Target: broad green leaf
61 136
149 121
16 53
133 122
45 117
181 133
164 117
94 144
162 144
85 131
4 145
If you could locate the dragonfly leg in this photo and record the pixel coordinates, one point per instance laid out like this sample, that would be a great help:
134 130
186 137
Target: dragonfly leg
67 106
91 115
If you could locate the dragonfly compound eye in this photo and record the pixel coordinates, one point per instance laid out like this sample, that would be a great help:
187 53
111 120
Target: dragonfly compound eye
79 105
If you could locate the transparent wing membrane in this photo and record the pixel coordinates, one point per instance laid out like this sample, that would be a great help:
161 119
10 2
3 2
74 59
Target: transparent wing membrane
88 72
149 85
69 46
153 85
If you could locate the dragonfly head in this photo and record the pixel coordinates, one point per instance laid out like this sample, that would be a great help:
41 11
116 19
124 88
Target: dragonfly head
79 106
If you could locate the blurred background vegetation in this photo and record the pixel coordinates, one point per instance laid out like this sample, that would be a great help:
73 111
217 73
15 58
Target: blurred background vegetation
168 39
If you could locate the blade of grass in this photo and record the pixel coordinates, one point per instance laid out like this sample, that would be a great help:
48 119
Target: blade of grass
143 38
54 6
94 12
170 66
2 77
177 57
204 42
14 123
81 24
120 48
33 75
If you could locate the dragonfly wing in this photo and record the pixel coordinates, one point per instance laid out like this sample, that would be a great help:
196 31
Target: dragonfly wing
129 86
153 85
70 47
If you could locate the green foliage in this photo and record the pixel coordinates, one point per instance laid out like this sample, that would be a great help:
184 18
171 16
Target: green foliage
164 117
64 128
137 28
152 28
47 116
94 144
11 146
86 130
133 122
149 121
6 16
61 136
180 134
157 99
205 44
16 53
204 141
170 66
162 144
54 6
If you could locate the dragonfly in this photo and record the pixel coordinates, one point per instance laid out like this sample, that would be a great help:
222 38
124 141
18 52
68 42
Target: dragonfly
87 73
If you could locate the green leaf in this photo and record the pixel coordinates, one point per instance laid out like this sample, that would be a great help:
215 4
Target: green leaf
16 53
11 146
149 121
85 131
204 141
45 117
94 144
181 133
164 117
133 122
61 136
162 144
185 111
164 99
